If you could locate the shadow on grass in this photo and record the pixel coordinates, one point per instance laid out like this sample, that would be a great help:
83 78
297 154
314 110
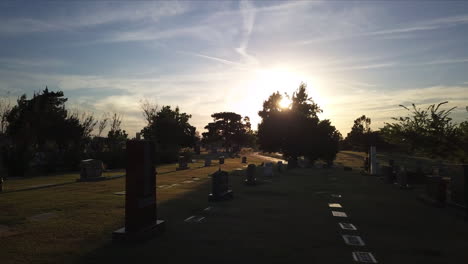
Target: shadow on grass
232 231
180 238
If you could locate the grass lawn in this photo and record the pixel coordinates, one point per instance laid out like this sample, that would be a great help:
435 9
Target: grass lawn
286 220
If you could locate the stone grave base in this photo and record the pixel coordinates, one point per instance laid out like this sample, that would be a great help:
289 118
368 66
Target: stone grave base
251 182
92 179
221 197
121 235
430 201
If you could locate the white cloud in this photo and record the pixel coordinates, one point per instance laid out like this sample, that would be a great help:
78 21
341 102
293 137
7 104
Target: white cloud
93 14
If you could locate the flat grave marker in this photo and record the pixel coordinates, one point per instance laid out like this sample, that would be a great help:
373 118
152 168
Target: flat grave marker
348 226
364 257
335 205
339 214
353 240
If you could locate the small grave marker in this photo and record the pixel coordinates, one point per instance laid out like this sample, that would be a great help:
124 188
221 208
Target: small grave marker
268 170
279 165
91 170
207 162
334 205
182 163
251 180
221 160
244 159
220 187
347 226
353 240
336 195
364 257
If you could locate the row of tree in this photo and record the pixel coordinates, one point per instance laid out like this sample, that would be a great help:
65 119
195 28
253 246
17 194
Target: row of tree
41 133
428 132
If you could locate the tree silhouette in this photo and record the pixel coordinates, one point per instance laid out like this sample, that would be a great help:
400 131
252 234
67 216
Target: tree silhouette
171 131
297 131
360 134
430 131
228 128
39 123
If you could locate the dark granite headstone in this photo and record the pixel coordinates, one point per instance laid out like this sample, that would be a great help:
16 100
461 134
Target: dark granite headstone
91 170
221 160
279 165
251 180
268 170
436 189
292 163
207 162
366 164
457 184
182 163
140 193
387 174
402 178
220 187
244 159
197 150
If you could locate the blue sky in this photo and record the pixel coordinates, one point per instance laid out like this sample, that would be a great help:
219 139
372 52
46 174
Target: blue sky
210 56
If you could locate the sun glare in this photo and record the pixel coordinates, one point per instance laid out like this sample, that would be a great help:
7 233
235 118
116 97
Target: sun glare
284 103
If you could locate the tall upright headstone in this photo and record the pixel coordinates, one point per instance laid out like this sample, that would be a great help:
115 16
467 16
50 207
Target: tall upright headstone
373 160
140 193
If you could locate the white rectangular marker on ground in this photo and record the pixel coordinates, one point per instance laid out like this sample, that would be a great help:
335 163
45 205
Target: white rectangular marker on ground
335 205
198 220
189 219
339 214
364 257
336 195
207 209
353 240
347 226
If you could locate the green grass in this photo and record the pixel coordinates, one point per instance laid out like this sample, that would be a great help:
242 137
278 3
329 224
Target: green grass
284 221
85 212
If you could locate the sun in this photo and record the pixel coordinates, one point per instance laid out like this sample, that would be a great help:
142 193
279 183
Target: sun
284 103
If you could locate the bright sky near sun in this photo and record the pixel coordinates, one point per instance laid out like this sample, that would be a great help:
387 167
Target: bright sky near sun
356 57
